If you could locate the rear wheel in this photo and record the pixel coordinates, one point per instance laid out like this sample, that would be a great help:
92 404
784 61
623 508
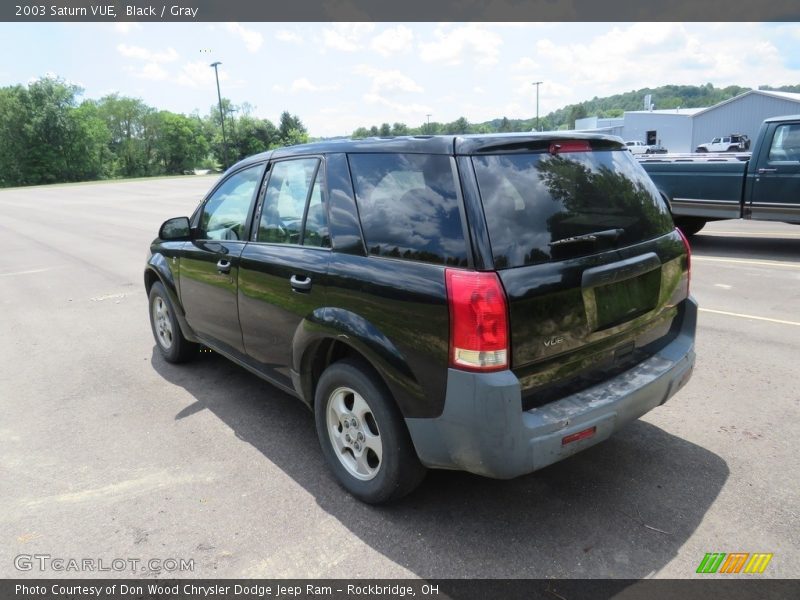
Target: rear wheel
363 436
169 338
689 225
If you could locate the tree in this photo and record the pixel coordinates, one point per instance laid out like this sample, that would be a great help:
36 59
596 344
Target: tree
460 125
45 137
291 130
385 130
132 134
400 129
180 145
360 133
254 136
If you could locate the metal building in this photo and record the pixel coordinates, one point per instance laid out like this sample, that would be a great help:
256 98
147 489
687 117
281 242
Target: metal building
683 129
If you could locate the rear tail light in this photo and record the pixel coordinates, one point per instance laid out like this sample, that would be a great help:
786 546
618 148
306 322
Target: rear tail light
688 259
478 321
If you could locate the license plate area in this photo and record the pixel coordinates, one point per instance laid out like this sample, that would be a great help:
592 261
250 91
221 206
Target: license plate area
625 300
619 292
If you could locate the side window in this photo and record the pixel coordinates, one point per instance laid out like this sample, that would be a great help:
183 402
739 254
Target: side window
786 143
409 207
291 182
316 228
225 213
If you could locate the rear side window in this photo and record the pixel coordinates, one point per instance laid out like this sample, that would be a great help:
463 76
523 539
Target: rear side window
533 200
408 207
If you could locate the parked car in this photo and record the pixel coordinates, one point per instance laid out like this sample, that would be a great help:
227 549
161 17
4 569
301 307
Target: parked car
730 143
656 149
418 298
636 147
764 186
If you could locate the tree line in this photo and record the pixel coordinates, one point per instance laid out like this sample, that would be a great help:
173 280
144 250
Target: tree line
48 135
663 97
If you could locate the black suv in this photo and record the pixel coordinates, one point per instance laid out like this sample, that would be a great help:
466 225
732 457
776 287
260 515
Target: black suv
489 303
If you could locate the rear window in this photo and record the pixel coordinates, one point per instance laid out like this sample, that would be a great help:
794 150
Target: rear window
408 207
532 201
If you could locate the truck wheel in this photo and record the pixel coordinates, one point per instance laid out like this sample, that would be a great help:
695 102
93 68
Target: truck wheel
689 225
169 338
701 150
363 437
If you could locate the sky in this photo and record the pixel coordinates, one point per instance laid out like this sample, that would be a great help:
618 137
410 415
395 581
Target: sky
339 76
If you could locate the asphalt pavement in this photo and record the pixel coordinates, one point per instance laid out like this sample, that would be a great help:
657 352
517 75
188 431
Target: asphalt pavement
107 452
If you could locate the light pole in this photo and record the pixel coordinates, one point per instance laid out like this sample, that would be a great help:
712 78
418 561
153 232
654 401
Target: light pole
221 115
230 112
429 123
537 84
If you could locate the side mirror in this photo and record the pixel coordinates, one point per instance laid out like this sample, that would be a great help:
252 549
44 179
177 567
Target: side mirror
175 230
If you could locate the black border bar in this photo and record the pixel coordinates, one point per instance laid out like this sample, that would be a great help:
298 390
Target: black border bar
727 588
401 10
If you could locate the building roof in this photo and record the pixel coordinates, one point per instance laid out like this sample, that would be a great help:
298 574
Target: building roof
769 93
683 112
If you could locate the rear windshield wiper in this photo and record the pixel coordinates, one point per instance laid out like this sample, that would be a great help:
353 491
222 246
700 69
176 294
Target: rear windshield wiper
606 234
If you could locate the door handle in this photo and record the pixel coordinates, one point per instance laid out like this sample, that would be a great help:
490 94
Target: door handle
223 266
301 285
762 170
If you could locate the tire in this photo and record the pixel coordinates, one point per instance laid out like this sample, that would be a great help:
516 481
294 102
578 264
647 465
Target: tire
689 225
377 462
167 332
701 150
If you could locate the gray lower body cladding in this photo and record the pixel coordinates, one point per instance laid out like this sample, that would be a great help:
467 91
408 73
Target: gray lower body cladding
484 430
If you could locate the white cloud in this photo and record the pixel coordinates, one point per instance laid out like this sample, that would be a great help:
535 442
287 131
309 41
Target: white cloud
199 75
304 85
454 46
393 41
346 37
290 37
151 71
252 39
137 52
525 64
402 108
640 55
388 81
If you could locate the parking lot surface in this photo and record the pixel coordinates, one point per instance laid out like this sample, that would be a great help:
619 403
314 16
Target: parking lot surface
108 452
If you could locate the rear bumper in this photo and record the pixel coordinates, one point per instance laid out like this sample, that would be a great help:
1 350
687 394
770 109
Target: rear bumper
484 430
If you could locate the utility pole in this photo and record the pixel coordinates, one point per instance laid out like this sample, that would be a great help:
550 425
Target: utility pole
537 84
429 123
221 116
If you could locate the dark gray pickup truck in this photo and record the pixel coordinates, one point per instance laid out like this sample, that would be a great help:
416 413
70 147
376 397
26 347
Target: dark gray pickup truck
764 185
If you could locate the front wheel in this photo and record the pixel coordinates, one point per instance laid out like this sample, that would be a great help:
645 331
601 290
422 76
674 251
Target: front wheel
363 437
169 338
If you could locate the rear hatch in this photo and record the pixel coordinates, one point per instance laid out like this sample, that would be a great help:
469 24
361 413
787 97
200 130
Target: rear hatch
586 250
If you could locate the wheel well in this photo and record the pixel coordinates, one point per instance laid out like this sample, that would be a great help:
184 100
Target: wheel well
324 354
150 278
